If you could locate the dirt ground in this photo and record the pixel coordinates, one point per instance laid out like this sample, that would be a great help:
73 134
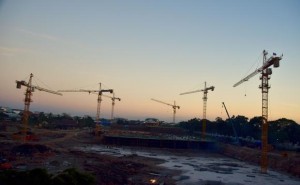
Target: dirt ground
54 151
284 161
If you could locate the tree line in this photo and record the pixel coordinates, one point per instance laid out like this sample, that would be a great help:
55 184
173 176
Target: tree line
280 131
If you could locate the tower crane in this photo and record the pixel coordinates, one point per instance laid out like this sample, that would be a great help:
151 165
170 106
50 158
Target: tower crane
28 93
234 131
265 72
173 106
99 92
113 98
205 91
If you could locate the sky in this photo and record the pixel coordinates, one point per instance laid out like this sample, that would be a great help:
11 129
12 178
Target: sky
150 49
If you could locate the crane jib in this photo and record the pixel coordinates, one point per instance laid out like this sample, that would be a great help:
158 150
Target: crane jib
271 61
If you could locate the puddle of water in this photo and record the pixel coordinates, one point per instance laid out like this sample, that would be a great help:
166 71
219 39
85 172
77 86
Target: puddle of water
203 170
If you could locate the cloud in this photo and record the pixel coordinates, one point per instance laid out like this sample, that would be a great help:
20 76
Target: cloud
291 105
50 38
10 51
41 35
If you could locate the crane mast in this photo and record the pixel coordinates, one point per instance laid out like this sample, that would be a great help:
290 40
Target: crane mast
113 98
205 91
28 94
99 99
98 128
173 106
265 77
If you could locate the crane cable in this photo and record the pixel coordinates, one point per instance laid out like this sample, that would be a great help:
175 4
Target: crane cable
257 63
36 79
26 78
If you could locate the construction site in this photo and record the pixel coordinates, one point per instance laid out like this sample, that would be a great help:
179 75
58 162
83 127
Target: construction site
149 153
141 156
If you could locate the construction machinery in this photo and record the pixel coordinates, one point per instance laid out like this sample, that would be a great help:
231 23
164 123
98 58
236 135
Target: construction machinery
30 88
99 92
173 106
205 91
233 128
265 72
113 98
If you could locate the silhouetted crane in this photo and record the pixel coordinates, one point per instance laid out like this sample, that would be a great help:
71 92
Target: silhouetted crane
29 90
113 98
173 106
99 92
265 72
205 91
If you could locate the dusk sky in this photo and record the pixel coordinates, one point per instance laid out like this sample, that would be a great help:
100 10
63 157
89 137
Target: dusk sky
147 49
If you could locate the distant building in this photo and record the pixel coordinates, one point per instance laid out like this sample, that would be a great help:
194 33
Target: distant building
9 114
151 122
